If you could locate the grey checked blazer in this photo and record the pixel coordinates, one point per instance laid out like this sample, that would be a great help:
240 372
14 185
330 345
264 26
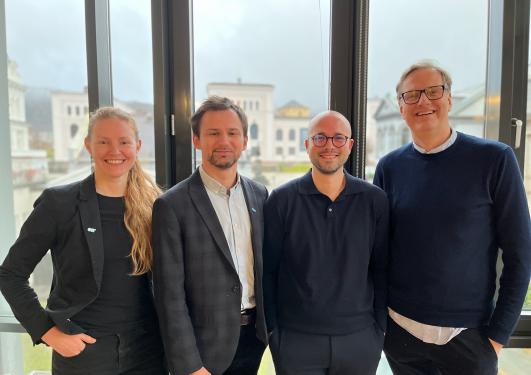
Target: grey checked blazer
197 290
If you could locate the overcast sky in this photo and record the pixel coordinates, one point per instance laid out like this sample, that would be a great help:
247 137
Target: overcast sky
279 42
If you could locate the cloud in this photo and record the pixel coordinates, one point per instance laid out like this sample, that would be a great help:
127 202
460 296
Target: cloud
453 32
47 40
284 43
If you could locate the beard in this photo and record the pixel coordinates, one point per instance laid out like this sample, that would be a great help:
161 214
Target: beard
222 163
329 168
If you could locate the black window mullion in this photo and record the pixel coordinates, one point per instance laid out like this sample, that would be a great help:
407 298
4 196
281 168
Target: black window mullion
173 89
160 19
348 73
182 86
98 38
520 74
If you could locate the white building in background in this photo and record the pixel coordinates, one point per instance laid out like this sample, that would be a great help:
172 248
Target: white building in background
18 128
290 130
29 167
70 116
467 116
370 134
274 135
391 131
257 102
70 119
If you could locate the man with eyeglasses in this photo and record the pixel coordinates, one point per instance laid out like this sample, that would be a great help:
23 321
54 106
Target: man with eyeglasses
325 253
454 200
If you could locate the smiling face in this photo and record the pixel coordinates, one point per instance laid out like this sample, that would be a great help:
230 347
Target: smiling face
427 117
221 139
113 145
328 159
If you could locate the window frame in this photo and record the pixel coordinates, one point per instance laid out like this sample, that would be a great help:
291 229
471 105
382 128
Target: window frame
507 79
508 45
507 55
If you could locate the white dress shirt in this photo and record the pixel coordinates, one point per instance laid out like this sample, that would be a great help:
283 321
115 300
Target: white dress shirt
232 213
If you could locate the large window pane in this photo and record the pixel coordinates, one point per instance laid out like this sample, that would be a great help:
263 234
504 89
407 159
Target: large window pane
132 57
456 39
48 113
48 106
272 59
404 31
527 159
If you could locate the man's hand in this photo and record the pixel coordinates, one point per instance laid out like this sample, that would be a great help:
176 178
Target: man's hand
497 346
201 371
66 345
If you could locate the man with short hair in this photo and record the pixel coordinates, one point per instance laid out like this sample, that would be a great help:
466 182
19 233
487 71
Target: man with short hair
454 200
325 251
207 247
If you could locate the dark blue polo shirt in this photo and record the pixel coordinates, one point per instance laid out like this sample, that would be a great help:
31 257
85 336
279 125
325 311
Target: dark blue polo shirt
325 261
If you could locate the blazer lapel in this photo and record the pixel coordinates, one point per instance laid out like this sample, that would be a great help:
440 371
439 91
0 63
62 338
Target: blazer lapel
90 219
256 222
205 209
254 208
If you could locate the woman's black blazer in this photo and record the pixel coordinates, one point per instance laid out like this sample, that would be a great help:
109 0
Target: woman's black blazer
65 220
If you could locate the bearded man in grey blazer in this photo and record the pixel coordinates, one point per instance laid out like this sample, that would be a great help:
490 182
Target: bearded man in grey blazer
207 246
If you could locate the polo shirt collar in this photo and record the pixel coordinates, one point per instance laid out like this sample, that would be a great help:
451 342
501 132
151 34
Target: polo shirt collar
353 185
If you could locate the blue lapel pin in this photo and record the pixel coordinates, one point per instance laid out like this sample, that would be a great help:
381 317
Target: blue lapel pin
253 209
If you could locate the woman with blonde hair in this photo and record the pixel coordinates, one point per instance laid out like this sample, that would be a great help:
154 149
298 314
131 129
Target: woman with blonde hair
99 317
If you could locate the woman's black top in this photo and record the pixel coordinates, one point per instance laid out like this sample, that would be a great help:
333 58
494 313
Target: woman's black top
124 301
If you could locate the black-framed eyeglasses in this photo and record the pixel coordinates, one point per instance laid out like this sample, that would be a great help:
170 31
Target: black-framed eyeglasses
432 93
338 140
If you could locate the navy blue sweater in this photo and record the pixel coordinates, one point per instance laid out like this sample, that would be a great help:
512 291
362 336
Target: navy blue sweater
325 261
450 212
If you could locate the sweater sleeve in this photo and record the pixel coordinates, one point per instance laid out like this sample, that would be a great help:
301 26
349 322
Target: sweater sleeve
378 179
513 234
272 250
379 260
